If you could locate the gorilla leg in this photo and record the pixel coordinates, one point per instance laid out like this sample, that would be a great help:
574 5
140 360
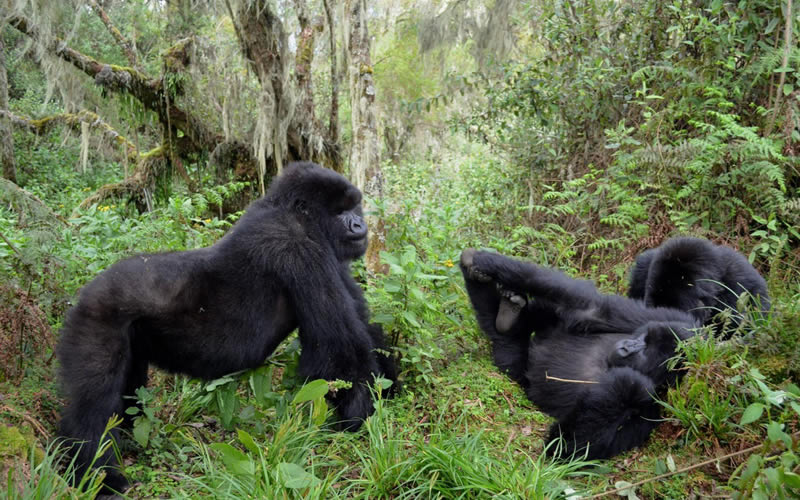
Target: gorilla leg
384 357
136 377
638 279
96 361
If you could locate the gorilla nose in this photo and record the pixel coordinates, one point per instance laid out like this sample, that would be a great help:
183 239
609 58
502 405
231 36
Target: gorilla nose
358 228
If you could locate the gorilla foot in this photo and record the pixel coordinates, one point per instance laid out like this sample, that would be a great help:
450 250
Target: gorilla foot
511 305
467 263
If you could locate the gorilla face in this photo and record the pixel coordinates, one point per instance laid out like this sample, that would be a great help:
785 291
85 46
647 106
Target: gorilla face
350 234
326 205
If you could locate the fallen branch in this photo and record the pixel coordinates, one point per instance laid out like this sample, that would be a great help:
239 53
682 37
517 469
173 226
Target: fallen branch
128 80
138 185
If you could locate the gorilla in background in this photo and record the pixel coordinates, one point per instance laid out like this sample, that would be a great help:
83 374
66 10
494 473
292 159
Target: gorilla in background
695 275
595 361
207 312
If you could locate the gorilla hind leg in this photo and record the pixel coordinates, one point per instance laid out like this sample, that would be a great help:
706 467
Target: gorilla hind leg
96 363
509 310
136 376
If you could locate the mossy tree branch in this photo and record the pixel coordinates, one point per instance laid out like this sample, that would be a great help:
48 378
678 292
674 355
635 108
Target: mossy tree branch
150 92
44 125
124 43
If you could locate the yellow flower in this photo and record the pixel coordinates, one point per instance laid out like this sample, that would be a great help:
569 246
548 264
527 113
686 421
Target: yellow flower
207 221
449 263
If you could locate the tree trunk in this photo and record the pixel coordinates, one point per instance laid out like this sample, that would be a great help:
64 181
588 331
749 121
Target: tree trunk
6 139
333 124
305 118
364 154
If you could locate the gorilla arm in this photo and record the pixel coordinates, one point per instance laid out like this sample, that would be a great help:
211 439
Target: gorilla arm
335 339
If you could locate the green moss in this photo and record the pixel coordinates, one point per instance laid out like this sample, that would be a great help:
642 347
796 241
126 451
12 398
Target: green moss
16 443
12 442
158 151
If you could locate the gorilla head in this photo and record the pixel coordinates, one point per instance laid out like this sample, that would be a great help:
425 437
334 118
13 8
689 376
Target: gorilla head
326 202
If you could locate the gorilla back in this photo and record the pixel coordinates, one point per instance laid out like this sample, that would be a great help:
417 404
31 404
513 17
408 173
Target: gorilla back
215 310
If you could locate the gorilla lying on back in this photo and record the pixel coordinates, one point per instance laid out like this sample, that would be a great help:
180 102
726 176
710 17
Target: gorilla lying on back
695 275
595 361
216 310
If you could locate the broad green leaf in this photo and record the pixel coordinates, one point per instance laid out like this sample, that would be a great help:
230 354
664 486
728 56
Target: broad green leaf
775 433
417 294
248 441
226 403
411 318
234 460
295 477
261 383
792 480
141 431
773 477
218 382
382 318
319 411
311 391
752 413
771 26
385 383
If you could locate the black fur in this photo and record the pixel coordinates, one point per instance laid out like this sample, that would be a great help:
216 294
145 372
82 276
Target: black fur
616 344
212 311
695 275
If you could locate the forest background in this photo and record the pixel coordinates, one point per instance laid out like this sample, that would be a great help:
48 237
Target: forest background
573 133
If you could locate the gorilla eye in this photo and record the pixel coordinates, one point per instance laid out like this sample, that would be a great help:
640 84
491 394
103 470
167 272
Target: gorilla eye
301 206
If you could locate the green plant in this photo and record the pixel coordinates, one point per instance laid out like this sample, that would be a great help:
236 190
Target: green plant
774 470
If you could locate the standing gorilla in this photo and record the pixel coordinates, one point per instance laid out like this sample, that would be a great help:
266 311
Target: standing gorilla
595 361
695 275
212 311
